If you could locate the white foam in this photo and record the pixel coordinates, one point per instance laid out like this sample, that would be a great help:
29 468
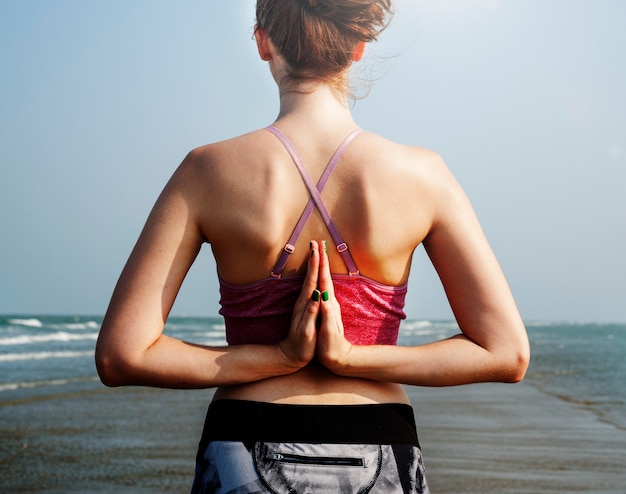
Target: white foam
77 325
212 334
50 382
32 322
44 338
416 324
215 342
14 357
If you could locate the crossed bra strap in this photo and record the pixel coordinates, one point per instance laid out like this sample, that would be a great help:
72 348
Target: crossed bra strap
314 201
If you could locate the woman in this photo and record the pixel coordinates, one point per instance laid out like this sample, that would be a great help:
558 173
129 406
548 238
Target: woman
309 394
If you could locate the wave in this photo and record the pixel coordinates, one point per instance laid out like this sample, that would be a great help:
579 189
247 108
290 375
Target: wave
76 325
570 324
438 329
213 342
45 338
181 326
31 322
421 324
14 357
50 382
416 324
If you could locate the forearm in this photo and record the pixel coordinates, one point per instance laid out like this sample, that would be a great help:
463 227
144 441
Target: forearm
449 362
172 363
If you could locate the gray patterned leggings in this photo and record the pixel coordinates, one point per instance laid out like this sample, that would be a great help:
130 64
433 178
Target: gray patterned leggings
251 447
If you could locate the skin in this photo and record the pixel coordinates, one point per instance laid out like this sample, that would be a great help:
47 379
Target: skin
244 196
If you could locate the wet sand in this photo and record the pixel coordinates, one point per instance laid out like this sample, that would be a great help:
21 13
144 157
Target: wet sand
499 438
488 438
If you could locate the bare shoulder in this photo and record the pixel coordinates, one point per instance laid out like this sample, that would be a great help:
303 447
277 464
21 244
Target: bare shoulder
210 172
386 178
224 178
403 158
415 172
224 156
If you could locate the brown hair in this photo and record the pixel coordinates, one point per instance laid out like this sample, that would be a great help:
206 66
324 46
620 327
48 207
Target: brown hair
317 38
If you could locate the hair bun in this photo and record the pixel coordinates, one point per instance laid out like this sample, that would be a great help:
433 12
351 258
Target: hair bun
317 38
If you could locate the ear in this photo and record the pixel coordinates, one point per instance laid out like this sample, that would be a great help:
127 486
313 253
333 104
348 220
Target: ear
263 44
359 50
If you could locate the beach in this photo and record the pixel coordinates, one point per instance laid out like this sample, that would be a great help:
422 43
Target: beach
503 438
487 438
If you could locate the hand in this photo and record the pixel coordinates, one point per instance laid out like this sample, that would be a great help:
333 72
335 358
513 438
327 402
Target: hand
333 348
299 345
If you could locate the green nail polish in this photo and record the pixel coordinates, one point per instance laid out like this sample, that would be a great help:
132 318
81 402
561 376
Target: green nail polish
325 296
315 296
325 248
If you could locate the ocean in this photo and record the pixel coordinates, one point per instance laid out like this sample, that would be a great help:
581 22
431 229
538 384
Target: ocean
582 363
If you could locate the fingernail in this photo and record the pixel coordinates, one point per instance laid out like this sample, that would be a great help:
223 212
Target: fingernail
315 296
324 296
325 248
311 245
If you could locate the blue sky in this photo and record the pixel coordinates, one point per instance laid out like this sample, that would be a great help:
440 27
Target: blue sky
525 100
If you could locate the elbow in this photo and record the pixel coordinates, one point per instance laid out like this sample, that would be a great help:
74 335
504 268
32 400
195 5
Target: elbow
113 370
516 366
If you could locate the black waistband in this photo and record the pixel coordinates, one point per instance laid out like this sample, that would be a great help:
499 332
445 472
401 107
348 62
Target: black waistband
239 420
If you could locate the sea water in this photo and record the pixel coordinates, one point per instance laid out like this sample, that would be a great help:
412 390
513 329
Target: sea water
583 363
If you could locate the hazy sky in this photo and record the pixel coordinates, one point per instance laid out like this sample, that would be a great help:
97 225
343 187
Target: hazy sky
525 100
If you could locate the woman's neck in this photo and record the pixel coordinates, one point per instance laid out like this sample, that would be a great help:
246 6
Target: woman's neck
314 102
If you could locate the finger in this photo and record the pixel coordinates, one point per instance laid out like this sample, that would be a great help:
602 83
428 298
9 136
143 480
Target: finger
311 278
299 345
303 329
304 321
308 301
330 310
325 281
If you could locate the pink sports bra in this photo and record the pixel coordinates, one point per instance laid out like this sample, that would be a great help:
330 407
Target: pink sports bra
260 312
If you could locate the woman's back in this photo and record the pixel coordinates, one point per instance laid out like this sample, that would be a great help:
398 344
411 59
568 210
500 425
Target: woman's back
378 197
252 199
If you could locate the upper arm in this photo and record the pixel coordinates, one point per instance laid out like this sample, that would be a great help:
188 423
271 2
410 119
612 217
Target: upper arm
157 266
470 273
